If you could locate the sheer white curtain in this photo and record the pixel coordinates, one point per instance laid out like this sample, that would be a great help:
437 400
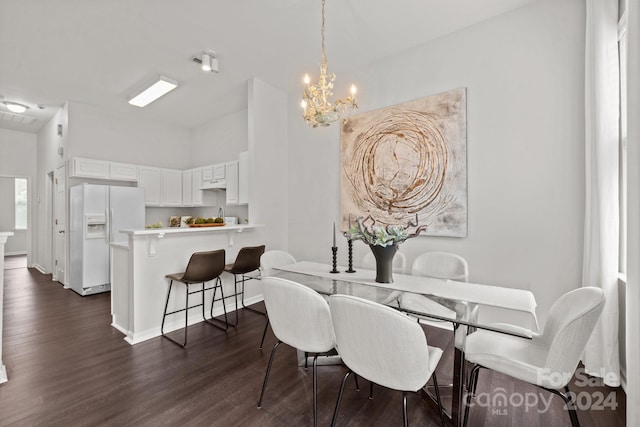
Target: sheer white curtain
600 260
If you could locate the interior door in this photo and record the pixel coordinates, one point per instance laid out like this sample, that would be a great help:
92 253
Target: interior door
59 225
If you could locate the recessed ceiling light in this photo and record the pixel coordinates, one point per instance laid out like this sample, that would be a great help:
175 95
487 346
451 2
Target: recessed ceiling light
161 86
15 107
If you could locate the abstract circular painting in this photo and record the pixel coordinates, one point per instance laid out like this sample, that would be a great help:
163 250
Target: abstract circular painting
408 161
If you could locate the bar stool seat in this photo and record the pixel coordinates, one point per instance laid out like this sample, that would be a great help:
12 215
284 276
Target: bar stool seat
248 260
203 267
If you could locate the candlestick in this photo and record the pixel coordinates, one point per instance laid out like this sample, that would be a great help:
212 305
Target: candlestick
334 250
334 233
350 246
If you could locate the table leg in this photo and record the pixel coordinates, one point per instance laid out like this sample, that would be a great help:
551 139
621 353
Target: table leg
457 402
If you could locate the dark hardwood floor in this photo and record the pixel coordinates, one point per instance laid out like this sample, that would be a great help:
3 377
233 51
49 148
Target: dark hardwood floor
68 367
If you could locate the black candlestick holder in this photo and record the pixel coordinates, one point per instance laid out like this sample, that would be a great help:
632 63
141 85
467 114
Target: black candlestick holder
350 247
334 250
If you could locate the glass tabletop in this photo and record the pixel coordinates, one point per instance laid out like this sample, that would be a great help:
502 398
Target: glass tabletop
441 303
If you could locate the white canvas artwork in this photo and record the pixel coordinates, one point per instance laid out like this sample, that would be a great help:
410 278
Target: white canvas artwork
408 161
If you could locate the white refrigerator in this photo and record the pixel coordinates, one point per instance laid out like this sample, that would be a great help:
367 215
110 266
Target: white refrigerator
97 214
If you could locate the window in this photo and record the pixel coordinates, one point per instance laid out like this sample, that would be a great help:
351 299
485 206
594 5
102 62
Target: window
21 204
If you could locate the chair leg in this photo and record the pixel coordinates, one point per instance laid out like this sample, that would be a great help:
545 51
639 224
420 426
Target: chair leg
244 278
166 305
186 317
315 390
266 376
404 409
212 320
571 407
264 333
437 389
471 390
335 411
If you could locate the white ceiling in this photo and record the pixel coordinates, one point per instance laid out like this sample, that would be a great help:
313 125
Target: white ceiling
99 52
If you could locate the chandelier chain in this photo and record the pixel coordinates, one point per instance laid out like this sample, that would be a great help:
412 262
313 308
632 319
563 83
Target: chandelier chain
324 55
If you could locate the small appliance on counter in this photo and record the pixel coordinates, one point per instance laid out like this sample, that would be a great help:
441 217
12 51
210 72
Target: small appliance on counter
231 220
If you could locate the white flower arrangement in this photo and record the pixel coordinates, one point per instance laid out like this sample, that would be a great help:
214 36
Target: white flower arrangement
376 235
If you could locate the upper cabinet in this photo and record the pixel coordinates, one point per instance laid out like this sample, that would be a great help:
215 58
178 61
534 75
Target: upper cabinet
162 187
191 183
123 171
102 169
149 179
231 178
171 187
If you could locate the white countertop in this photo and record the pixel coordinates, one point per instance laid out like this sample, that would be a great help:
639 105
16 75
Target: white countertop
180 230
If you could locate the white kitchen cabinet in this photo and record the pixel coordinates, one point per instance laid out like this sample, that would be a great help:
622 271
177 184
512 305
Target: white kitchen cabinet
243 178
102 169
191 183
231 177
123 171
197 196
149 179
89 168
187 184
207 173
171 187
219 171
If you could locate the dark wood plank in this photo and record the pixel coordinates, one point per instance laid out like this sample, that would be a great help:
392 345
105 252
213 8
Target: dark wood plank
68 366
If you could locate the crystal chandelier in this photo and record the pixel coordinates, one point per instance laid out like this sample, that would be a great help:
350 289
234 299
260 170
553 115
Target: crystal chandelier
317 109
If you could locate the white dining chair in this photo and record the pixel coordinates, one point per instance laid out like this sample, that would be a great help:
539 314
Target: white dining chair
399 262
384 346
268 261
300 318
549 359
441 265
274 258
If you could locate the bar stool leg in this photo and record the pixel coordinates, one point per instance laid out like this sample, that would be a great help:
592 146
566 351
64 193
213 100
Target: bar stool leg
166 305
212 319
242 299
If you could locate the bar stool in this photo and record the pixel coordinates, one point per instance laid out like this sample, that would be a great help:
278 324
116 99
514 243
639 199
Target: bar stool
248 260
202 267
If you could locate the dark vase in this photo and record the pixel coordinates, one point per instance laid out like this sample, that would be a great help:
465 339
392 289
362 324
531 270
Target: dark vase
384 262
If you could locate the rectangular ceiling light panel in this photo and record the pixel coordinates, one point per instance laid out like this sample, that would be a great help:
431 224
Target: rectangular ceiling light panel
161 87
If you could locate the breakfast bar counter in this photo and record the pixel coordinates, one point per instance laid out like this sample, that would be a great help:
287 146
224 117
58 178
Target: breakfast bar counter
139 267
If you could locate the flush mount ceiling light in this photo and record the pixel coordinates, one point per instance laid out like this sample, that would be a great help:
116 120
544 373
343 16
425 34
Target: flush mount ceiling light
160 86
208 61
15 107
317 108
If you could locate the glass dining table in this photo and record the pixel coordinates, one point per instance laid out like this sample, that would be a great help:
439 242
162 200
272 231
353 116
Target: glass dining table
443 300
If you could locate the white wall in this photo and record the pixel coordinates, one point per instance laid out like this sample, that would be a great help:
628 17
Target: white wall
268 163
525 105
99 134
48 159
219 140
18 160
